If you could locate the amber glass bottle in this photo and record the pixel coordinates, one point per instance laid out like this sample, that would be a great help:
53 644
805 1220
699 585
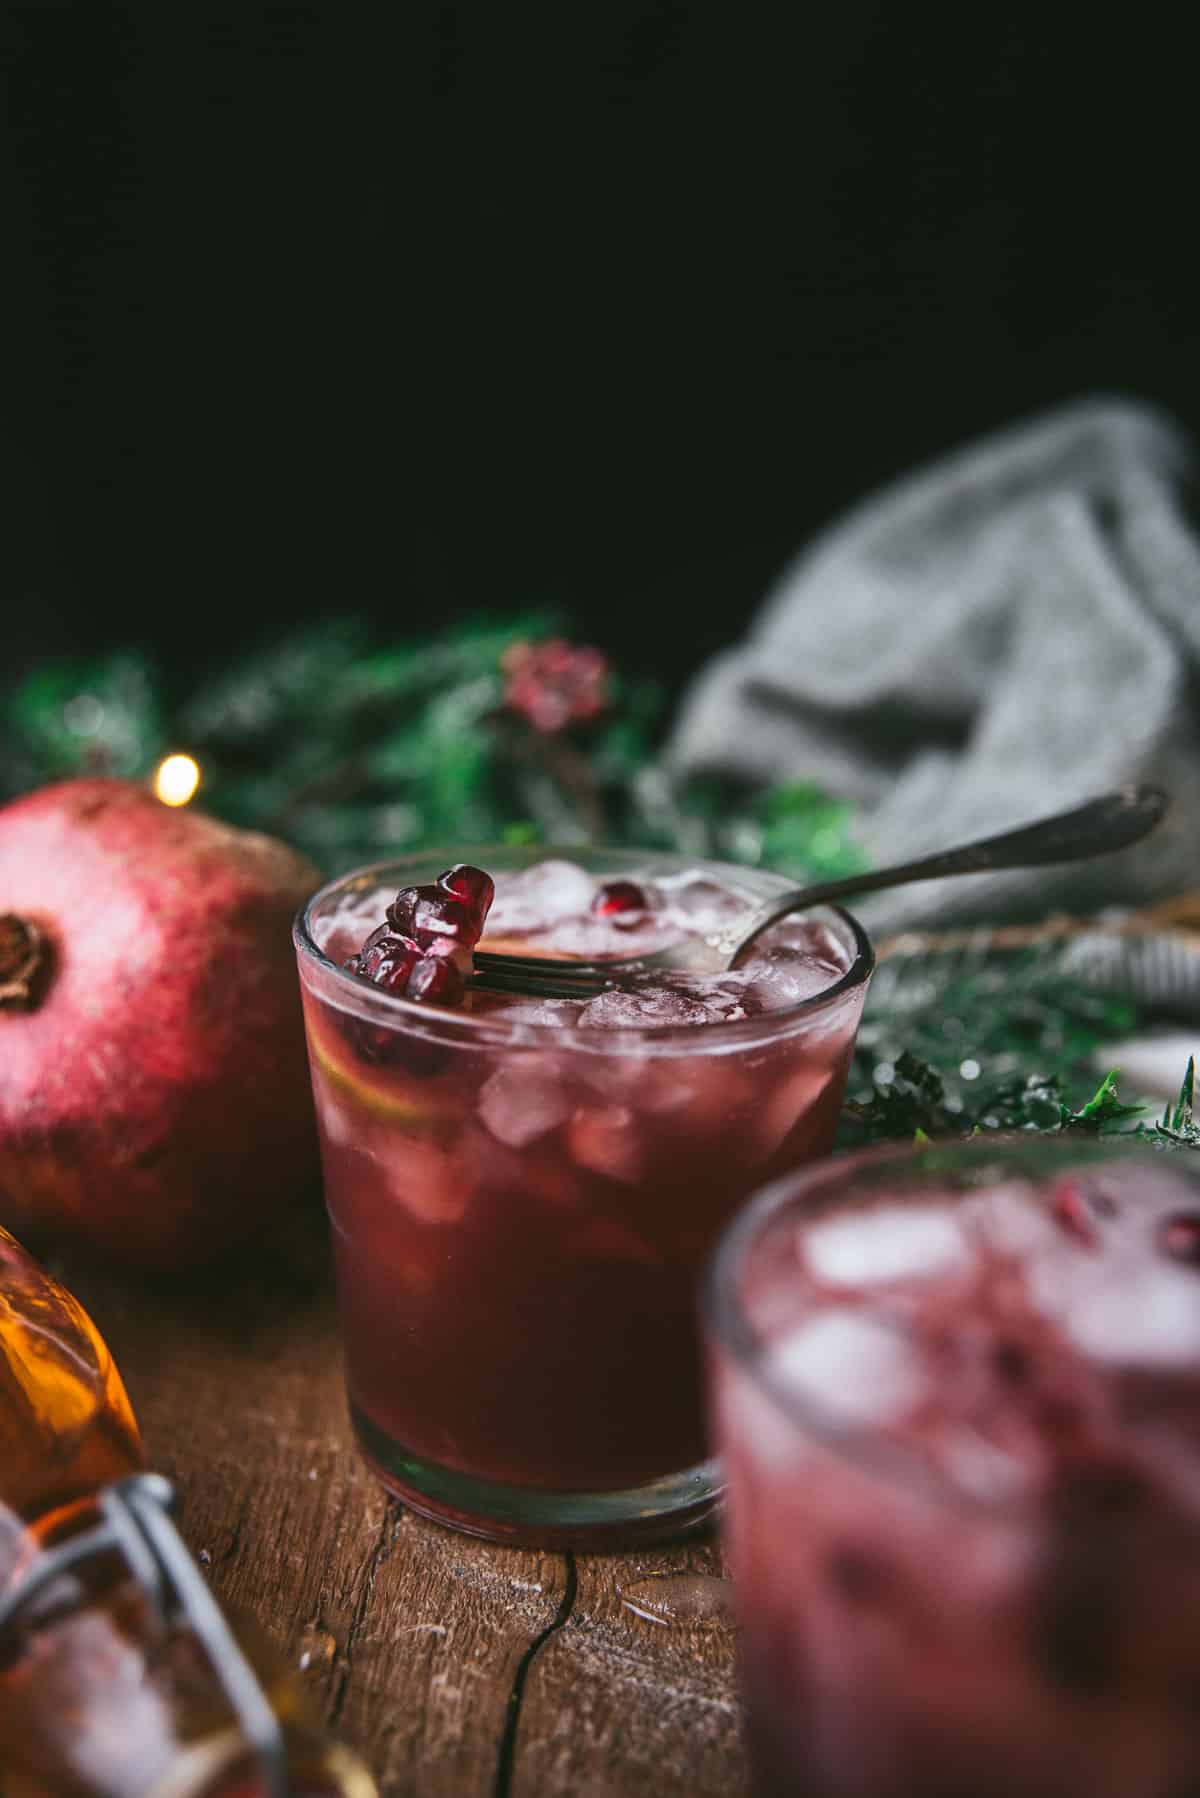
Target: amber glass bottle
118 1673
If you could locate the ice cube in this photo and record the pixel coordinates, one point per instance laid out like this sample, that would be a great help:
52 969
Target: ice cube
1147 1317
700 903
891 1242
508 1174
585 938
805 935
980 1467
606 1140
634 1080
721 1097
643 1008
855 1367
538 897
723 996
425 1179
523 1100
788 978
552 1013
340 933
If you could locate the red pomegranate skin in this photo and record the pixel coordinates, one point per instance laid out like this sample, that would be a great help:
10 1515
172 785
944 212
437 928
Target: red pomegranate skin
154 1097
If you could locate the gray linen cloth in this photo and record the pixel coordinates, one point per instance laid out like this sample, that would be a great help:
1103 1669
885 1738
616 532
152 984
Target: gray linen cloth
1004 634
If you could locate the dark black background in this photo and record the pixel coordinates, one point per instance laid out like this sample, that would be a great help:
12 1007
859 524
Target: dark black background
428 308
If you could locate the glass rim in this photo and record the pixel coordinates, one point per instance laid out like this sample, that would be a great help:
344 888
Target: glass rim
369 1002
723 1313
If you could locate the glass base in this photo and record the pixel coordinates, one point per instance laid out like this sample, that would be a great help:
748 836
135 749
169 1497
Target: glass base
533 1516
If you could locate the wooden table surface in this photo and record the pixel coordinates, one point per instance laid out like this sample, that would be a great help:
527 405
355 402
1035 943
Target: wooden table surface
453 1666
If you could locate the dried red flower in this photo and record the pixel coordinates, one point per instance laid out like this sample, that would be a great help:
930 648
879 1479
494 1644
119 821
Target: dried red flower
554 683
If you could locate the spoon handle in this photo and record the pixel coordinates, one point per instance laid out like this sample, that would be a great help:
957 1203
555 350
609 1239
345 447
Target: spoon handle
1113 821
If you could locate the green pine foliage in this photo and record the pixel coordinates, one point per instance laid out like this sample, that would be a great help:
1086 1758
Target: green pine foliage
355 748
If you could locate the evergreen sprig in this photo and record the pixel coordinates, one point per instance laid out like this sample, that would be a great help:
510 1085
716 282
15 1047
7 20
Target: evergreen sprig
912 1105
1103 1112
356 746
979 1041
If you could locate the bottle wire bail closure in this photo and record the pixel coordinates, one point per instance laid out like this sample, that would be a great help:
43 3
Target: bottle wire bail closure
133 1522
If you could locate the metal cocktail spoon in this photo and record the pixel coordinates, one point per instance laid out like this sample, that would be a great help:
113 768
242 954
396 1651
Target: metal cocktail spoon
1111 822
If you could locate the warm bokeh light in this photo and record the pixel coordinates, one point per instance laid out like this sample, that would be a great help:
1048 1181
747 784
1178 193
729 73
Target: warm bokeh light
176 780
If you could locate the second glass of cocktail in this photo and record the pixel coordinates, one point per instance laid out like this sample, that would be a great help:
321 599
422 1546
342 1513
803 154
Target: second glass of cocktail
957 1392
522 1191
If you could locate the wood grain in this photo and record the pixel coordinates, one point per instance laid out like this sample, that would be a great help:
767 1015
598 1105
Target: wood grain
456 1668
615 1703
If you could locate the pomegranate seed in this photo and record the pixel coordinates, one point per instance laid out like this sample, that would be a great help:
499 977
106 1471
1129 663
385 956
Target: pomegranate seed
437 914
430 913
1180 1237
424 949
389 963
400 911
437 981
617 896
475 888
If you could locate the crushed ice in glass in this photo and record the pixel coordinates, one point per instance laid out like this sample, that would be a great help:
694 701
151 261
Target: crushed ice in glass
547 909
987 1332
538 898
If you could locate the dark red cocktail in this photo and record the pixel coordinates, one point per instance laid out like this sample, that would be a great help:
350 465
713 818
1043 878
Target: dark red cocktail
958 1396
522 1192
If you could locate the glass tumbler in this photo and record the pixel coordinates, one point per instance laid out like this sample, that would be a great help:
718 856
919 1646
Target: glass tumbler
957 1392
520 1210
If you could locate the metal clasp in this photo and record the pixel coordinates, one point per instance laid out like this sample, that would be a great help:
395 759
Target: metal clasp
133 1522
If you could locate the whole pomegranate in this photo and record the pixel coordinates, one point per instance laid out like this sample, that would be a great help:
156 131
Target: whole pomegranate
154 1094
